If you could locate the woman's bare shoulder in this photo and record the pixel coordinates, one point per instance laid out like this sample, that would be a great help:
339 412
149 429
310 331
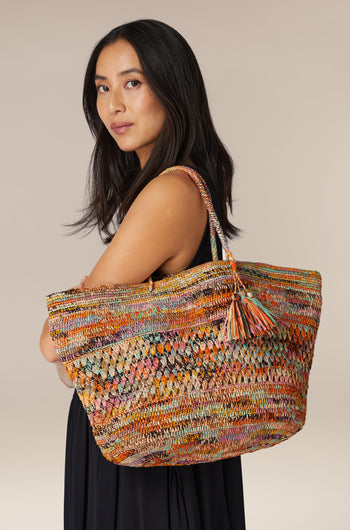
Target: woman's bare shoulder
161 231
175 181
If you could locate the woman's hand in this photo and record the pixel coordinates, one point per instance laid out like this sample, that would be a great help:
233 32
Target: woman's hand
82 283
47 345
62 374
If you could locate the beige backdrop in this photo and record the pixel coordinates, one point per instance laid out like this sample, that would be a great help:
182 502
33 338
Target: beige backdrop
277 75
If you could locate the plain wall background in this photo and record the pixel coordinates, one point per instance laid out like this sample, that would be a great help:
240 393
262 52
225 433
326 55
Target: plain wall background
278 81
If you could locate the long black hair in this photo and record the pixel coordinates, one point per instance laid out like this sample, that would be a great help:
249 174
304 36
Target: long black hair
172 71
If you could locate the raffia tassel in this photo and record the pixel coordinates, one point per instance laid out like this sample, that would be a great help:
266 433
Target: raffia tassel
236 325
247 318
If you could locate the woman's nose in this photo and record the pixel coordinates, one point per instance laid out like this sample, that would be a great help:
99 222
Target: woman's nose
116 103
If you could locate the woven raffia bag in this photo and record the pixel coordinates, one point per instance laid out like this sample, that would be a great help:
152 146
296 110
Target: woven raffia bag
206 364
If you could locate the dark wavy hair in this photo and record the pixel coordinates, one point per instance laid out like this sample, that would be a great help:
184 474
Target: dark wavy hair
173 73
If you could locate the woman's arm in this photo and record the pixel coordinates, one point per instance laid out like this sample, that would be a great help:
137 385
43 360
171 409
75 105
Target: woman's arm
162 229
62 374
47 345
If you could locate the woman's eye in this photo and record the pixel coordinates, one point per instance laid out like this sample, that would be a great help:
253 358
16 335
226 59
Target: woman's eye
133 83
102 89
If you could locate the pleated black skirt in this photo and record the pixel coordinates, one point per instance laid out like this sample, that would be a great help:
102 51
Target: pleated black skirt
100 495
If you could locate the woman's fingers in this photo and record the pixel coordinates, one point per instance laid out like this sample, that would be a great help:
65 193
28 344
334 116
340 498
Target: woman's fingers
82 282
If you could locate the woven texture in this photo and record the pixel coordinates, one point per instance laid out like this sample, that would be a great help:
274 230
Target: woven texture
158 377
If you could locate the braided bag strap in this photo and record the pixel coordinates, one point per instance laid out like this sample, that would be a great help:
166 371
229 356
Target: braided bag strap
246 317
214 223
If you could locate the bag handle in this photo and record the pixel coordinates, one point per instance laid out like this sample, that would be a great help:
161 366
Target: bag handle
246 317
215 226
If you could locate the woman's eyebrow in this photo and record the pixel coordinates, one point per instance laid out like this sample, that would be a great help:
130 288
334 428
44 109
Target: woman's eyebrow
130 71
124 72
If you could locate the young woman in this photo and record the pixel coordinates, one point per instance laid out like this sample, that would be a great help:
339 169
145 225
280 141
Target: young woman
145 103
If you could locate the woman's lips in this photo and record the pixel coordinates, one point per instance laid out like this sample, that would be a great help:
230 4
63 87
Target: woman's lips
121 127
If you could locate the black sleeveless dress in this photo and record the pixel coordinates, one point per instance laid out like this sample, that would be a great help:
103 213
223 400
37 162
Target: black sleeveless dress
100 495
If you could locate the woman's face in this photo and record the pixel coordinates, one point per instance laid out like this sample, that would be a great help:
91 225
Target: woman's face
125 103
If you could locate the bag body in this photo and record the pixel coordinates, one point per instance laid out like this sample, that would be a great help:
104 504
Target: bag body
206 364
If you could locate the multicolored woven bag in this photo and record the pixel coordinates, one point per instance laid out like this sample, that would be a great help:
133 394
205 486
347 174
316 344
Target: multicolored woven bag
206 364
